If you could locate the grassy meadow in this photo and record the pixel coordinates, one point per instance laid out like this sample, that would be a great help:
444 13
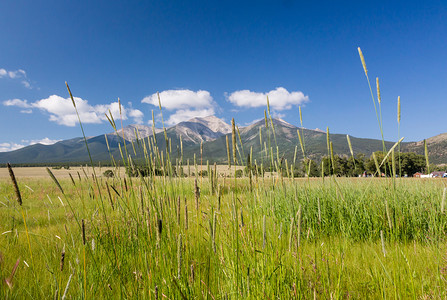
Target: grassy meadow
158 237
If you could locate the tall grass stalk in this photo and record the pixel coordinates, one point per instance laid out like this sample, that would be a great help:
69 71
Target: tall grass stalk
291 234
298 224
350 149
179 256
264 233
426 157
444 191
398 134
362 58
19 201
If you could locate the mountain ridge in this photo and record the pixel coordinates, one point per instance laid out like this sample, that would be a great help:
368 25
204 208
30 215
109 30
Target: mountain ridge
211 132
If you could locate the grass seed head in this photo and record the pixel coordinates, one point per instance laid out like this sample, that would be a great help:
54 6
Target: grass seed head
55 180
228 152
301 117
332 157
426 156
13 272
159 101
350 145
379 99
14 182
266 120
363 61
268 105
71 96
83 232
62 259
376 163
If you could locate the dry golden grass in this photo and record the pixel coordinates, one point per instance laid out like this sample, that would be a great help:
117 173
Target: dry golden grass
41 172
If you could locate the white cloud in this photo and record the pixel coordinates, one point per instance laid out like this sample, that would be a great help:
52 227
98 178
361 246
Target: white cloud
183 104
44 141
61 110
278 115
187 114
280 98
18 103
26 84
6 147
252 122
181 99
137 115
17 74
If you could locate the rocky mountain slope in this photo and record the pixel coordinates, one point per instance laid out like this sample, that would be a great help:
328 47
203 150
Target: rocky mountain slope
212 132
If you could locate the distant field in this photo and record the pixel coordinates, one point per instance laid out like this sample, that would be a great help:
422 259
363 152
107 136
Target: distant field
41 172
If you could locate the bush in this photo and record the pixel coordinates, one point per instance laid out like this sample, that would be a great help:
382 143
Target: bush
145 171
108 173
203 173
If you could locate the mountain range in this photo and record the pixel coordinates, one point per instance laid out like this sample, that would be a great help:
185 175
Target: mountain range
211 133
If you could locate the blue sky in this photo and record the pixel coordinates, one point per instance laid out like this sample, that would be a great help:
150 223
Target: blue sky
221 58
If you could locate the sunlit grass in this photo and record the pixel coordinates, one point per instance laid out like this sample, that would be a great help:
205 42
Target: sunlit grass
339 253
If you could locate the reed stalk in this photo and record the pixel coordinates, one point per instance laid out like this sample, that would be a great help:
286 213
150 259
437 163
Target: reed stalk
179 257
362 58
264 233
14 183
196 194
186 215
298 224
382 239
291 234
213 230
398 134
443 199
426 156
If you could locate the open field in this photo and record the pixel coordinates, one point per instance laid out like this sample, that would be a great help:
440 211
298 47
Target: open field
41 172
155 237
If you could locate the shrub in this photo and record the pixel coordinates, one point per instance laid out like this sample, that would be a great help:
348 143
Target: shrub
203 173
108 173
